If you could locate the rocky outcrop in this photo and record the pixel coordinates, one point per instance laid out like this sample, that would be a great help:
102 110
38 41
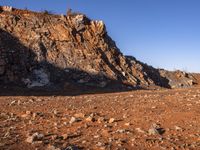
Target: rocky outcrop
178 79
39 49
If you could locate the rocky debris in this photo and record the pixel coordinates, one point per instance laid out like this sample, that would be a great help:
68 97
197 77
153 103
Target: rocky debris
112 120
156 130
73 120
27 114
34 137
178 128
127 124
178 79
51 147
181 125
39 49
65 136
79 115
72 148
90 119
139 130
101 120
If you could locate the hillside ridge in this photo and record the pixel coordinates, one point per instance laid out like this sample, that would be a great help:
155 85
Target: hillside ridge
39 49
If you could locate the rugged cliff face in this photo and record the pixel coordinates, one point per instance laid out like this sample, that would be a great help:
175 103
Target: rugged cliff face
40 49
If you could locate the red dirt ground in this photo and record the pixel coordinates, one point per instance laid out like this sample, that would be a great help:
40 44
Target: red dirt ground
176 111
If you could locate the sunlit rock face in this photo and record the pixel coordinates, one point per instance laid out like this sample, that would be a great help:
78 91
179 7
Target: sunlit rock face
41 49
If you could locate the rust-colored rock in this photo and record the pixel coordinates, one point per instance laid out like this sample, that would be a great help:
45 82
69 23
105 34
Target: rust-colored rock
39 49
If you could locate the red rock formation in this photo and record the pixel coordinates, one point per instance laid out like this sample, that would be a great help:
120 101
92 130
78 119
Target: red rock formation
38 49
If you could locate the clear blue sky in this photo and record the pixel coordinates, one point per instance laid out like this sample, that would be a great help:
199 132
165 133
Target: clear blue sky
162 33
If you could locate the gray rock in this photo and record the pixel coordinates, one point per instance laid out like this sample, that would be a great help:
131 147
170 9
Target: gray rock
156 130
72 148
35 137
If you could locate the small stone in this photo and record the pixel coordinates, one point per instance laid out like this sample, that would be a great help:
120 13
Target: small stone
139 130
86 126
27 114
153 131
127 124
35 137
30 139
96 136
55 112
39 100
79 115
177 128
99 144
101 119
34 115
54 137
72 148
24 116
121 131
125 116
156 129
46 141
111 120
13 102
90 119
18 102
65 136
31 100
73 120
51 147
83 142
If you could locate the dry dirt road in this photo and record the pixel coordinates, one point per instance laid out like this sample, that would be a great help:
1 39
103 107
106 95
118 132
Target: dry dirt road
136 120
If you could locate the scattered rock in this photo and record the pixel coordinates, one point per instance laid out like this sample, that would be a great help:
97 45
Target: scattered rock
90 119
72 148
13 103
37 114
127 124
73 120
101 120
65 136
79 115
55 112
51 147
35 137
100 144
139 130
178 128
27 114
111 120
156 130
121 131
